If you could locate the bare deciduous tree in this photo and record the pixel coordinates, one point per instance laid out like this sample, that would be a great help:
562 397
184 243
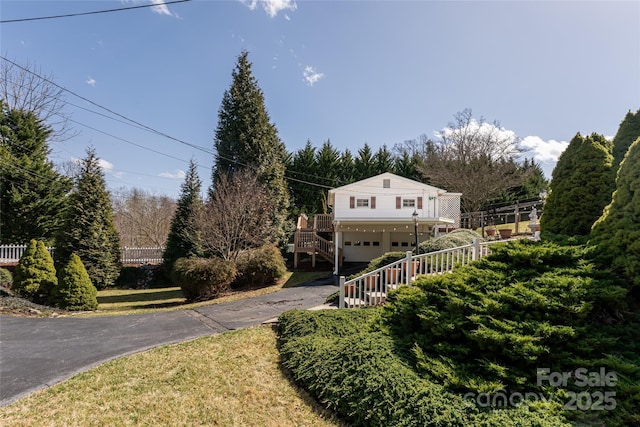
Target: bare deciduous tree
27 88
143 219
475 158
238 216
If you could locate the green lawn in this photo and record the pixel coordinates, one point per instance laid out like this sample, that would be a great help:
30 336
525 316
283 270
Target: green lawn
231 379
130 301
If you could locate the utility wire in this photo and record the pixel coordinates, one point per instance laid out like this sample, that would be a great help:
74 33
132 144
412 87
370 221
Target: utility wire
9 21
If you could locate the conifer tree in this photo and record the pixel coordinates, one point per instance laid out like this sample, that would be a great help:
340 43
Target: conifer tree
183 240
35 273
364 163
384 160
75 291
628 131
245 138
581 186
32 193
347 168
616 233
302 167
88 228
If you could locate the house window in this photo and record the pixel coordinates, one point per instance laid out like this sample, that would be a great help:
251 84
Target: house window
386 183
376 243
366 243
347 243
394 244
362 203
408 203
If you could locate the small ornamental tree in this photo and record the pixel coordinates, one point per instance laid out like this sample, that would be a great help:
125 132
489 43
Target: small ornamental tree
75 291
581 186
617 234
35 274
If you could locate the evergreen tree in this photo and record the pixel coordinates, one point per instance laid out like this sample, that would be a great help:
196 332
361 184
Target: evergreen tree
88 228
327 171
183 240
35 273
580 188
384 160
347 169
75 291
616 234
534 183
245 138
405 166
365 164
302 167
32 193
628 132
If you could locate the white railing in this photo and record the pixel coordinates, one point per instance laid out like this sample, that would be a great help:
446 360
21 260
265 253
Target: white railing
11 254
372 288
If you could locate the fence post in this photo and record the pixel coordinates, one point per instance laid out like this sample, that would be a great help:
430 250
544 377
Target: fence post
409 271
476 249
341 302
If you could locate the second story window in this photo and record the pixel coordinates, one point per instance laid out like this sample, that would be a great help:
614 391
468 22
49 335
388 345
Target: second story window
408 203
362 203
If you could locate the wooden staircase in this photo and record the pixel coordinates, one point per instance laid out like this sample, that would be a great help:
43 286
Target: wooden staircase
308 239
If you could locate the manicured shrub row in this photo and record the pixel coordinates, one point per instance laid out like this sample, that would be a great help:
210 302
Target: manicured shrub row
355 370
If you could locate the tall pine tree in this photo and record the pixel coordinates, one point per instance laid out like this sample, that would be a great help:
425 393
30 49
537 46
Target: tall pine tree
183 240
88 229
581 186
245 138
32 193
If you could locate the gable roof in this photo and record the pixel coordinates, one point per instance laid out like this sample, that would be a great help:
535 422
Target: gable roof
376 182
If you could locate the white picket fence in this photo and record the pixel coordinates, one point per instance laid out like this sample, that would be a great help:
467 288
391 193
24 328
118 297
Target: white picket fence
10 254
372 288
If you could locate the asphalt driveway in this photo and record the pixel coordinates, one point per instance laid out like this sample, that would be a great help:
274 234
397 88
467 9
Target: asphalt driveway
38 352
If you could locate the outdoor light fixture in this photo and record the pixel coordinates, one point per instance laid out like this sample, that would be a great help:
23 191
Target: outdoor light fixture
415 225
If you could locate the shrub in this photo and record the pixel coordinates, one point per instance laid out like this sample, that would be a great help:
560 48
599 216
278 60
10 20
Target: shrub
203 278
75 291
6 278
35 273
460 237
144 276
356 371
260 267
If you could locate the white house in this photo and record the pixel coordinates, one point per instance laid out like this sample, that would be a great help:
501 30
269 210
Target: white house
377 215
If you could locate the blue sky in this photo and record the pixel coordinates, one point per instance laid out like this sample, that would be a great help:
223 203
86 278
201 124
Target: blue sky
353 72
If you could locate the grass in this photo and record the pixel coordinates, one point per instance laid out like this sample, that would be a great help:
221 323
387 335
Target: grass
231 379
135 301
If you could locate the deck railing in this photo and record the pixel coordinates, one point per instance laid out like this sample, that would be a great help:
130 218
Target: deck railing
372 288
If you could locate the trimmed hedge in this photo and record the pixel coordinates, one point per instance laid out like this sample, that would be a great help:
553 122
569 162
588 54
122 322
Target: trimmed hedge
354 370
203 278
459 237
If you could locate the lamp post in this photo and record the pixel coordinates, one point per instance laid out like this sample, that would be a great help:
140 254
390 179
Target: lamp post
415 226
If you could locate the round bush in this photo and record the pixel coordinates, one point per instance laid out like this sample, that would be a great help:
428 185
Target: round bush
75 291
460 237
260 267
203 278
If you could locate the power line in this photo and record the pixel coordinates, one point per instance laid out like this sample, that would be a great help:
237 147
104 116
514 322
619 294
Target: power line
9 21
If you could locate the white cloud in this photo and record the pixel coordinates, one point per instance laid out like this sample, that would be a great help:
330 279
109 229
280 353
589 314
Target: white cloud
177 174
272 7
105 165
311 76
505 139
160 7
544 151
90 81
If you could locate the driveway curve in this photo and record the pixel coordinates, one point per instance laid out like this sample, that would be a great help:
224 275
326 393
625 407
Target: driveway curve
36 353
